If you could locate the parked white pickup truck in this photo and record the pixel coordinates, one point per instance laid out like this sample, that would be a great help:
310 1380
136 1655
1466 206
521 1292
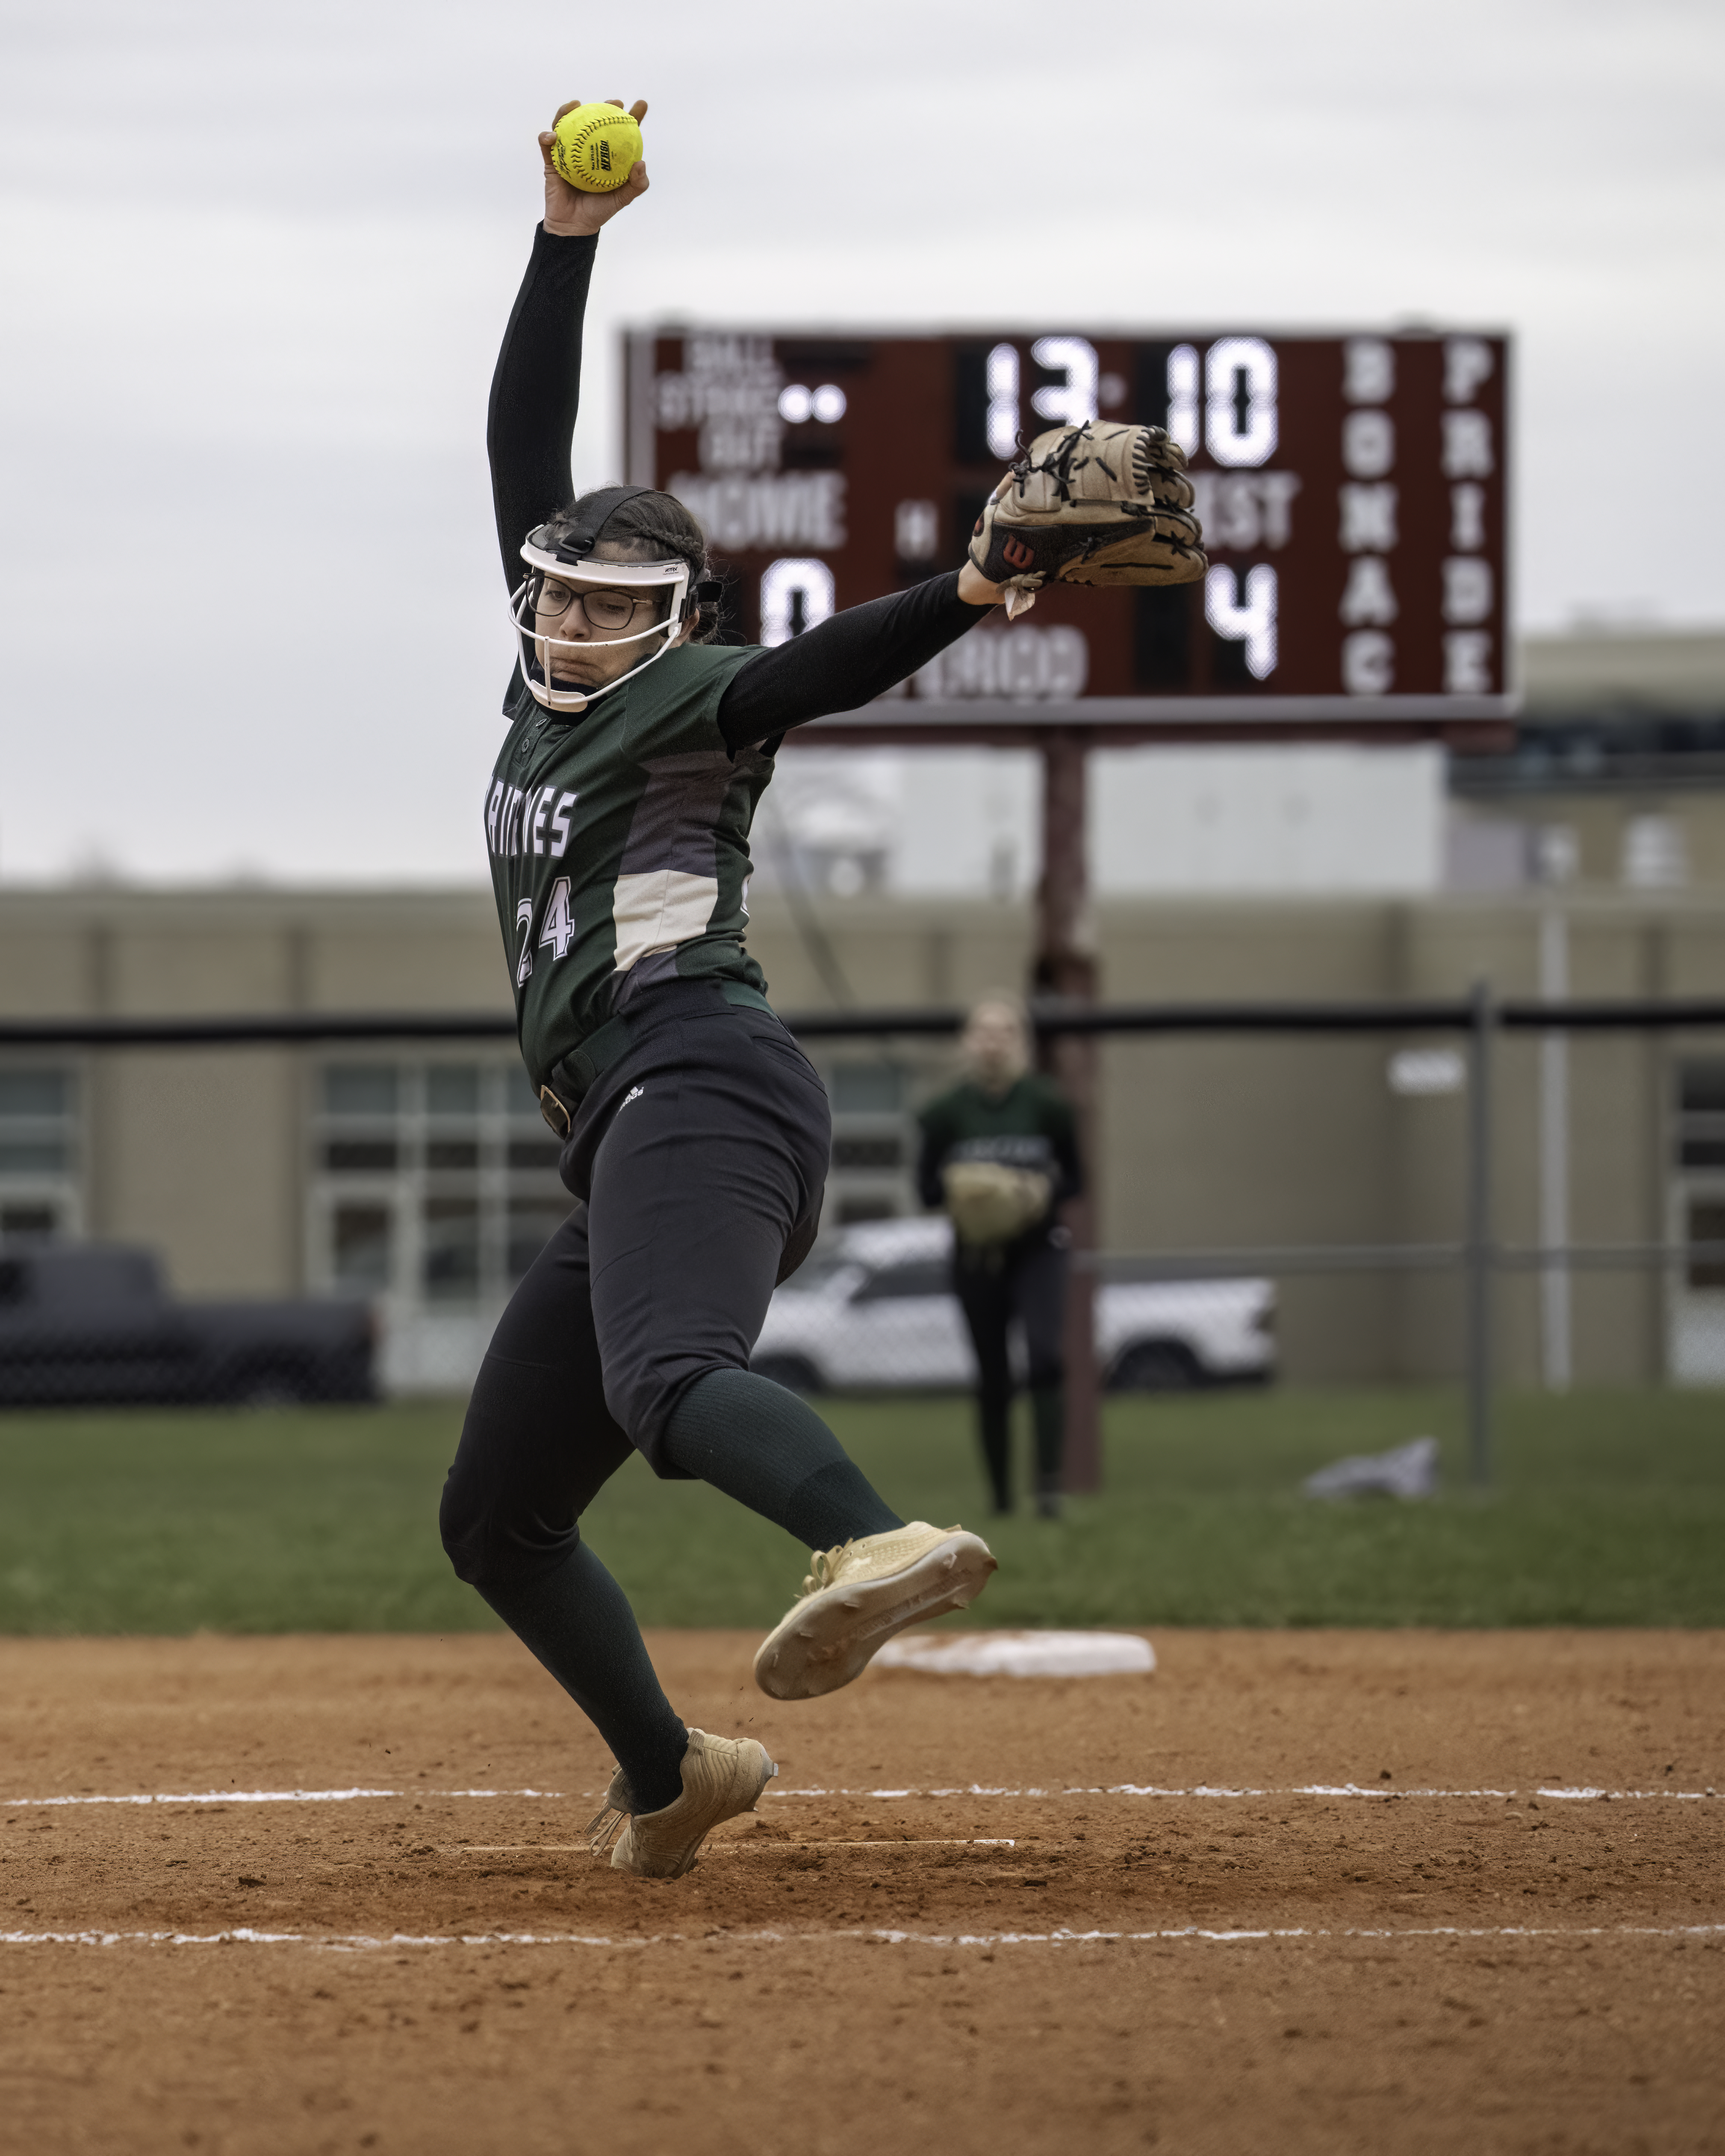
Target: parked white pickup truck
874 1312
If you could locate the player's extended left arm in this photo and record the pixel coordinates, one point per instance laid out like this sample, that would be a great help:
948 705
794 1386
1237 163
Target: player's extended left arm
849 659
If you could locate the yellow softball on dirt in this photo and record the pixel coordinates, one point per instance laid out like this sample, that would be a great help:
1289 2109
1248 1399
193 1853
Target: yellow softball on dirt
595 147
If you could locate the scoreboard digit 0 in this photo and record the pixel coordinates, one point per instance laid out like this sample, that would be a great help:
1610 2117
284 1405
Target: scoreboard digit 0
1352 490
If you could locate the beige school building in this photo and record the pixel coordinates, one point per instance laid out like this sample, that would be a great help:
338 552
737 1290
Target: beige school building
422 1176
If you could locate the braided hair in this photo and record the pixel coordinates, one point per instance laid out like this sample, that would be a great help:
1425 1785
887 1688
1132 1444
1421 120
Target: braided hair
655 527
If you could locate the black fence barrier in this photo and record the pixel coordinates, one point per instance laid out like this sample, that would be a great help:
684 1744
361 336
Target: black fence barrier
288 1029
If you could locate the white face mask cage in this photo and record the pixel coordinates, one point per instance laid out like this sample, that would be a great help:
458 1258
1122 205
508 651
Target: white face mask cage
540 671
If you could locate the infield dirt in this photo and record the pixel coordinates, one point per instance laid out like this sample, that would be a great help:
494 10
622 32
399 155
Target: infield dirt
1313 1891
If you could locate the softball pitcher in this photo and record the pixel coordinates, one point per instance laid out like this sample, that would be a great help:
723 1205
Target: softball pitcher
696 1134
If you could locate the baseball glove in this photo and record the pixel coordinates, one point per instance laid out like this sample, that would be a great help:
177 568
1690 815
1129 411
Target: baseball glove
990 1203
1099 504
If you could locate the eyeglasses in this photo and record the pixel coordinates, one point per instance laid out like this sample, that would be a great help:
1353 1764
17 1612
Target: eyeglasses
601 609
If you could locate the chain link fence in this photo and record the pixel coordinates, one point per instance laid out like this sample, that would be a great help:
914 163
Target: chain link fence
1453 1194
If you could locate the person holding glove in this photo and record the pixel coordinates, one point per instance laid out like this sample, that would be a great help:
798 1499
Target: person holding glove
1000 1155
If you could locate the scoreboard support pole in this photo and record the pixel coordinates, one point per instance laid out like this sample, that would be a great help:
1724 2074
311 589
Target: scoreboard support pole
1065 970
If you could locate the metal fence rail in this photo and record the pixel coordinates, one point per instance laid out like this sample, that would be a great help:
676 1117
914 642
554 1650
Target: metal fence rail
289 1029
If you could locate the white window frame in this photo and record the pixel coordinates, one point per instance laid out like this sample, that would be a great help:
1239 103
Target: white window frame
63 1190
431 1342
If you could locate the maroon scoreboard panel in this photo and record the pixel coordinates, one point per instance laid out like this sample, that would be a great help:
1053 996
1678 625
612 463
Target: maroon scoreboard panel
1352 489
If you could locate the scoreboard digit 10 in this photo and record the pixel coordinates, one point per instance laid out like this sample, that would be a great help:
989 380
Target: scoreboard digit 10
1351 490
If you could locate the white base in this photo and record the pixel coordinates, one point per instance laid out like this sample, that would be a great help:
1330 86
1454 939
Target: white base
1019 1655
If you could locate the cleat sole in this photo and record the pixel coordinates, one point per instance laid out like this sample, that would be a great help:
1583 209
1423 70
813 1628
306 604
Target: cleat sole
838 1634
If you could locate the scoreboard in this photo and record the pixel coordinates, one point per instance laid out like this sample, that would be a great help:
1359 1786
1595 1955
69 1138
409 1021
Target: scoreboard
1351 490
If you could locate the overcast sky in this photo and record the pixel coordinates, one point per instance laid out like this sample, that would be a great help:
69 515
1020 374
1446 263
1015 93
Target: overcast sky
256 264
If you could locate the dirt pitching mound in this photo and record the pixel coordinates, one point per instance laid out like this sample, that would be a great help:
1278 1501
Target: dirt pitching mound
1319 1891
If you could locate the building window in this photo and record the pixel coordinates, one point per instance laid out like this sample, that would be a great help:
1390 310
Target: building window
874 1140
1695 1337
1701 1115
360 1247
1699 1158
434 1183
40 1151
1705 1237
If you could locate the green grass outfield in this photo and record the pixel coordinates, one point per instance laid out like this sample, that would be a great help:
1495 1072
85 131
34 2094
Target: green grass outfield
1608 1509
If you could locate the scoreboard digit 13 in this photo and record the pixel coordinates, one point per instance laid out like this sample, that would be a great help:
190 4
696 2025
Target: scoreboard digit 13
1351 490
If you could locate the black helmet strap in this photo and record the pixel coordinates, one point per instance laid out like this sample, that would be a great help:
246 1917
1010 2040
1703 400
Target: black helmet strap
579 541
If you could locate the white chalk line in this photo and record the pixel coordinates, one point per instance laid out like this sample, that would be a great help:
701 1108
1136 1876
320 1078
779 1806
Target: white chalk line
283 1797
1384 1791
734 1845
367 1943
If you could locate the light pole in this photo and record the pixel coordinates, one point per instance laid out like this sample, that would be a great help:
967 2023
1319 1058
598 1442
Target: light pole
1555 861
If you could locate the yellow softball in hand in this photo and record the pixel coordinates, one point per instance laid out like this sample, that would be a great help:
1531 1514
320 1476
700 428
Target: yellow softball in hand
595 147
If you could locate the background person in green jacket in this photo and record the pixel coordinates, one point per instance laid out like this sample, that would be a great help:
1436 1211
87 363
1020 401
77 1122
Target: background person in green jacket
1000 1154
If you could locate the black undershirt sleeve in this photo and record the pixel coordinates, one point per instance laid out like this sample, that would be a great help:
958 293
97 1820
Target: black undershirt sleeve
936 1139
845 661
535 393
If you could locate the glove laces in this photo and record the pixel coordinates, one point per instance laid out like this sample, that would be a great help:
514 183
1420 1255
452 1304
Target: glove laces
1061 461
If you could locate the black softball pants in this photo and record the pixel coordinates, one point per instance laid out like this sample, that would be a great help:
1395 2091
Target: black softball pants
1027 1280
700 1157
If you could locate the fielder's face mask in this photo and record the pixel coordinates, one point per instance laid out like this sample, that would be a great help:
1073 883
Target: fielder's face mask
616 604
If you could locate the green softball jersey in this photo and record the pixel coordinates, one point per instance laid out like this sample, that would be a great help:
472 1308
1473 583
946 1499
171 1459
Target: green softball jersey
619 842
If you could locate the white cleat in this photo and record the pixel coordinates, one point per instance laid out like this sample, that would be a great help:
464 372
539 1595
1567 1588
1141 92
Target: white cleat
860 1596
722 1777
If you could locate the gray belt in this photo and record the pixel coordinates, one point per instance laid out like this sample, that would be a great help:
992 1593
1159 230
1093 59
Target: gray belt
572 1077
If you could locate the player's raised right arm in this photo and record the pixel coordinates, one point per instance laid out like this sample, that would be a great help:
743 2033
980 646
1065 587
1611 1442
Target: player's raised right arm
537 388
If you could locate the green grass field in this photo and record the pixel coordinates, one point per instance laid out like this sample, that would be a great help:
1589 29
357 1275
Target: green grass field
1608 1509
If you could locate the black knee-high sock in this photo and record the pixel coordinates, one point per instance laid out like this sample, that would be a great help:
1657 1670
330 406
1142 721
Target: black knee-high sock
993 1419
1047 1410
771 1451
578 1621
